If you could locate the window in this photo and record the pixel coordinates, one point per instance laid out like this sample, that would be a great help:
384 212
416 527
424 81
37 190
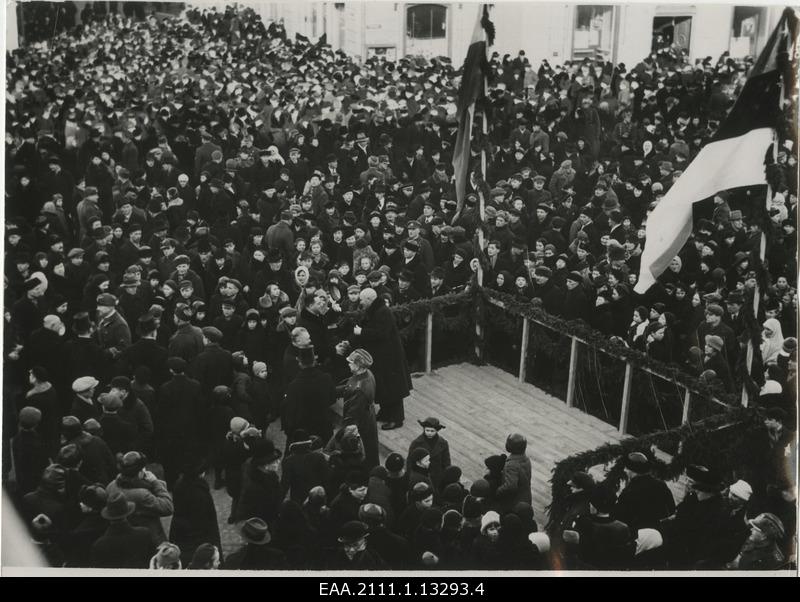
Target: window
744 37
593 29
426 22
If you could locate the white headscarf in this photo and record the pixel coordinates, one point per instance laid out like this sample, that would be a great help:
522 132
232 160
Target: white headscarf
773 345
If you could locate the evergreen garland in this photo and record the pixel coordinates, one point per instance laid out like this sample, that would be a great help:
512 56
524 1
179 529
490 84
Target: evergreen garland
714 442
599 341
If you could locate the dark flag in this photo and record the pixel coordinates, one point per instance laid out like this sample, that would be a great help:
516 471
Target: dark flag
473 87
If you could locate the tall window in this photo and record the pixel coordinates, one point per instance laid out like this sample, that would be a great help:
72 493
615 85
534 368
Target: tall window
593 30
744 36
426 21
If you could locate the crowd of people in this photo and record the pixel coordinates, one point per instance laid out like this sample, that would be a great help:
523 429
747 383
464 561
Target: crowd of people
207 224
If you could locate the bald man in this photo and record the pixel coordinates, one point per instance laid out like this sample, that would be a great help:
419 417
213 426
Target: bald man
377 334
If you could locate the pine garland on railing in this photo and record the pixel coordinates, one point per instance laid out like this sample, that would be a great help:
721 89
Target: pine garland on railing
716 442
597 340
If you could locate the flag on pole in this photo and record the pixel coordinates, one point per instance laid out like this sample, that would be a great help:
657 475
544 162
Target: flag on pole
733 158
473 87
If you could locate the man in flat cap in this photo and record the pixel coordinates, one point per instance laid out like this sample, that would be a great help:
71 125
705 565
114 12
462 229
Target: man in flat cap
113 333
214 365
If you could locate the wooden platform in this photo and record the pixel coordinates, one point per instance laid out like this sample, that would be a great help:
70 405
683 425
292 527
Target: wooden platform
481 406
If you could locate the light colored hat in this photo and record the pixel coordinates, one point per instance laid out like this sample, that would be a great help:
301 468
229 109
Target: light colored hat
741 489
238 425
259 367
541 541
489 518
84 383
360 357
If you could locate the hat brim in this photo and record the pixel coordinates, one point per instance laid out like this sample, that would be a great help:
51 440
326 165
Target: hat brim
425 424
108 516
258 542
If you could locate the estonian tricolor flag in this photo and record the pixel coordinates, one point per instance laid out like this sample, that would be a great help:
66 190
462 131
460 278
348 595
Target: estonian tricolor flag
473 87
735 156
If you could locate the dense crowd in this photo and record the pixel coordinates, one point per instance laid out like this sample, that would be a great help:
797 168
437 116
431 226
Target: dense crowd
206 224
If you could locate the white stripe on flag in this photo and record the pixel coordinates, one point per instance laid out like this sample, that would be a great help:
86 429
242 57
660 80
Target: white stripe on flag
721 165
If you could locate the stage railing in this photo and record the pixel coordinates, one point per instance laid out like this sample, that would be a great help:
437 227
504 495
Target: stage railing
567 359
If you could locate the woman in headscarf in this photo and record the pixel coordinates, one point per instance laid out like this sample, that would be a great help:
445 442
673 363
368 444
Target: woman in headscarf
772 343
359 403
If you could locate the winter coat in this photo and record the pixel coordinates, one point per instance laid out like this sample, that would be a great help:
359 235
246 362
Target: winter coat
359 409
380 337
439 450
194 521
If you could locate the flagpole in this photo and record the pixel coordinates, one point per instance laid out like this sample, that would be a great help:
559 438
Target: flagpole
762 251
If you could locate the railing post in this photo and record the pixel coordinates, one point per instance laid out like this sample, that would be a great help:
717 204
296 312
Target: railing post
523 348
429 343
687 406
626 399
573 372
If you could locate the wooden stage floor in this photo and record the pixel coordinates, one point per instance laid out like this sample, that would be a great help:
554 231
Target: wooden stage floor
481 406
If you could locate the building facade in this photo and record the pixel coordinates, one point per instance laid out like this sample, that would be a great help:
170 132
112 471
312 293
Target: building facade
556 32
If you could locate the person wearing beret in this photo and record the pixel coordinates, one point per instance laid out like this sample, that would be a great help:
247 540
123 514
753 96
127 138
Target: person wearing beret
437 447
359 403
377 334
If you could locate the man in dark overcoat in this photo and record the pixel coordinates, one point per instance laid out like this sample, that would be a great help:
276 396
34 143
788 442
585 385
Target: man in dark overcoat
214 365
377 333
309 397
646 500
179 416
146 352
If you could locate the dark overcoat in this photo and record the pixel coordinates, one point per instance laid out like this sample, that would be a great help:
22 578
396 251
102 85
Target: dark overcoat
379 336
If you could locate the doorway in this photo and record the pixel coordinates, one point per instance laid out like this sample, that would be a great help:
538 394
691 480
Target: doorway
675 32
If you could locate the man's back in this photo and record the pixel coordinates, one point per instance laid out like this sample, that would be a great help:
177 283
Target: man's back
123 546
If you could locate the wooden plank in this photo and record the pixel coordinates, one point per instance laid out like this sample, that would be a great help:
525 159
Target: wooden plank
516 397
458 395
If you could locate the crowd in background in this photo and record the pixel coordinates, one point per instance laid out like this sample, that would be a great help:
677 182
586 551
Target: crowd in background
206 222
